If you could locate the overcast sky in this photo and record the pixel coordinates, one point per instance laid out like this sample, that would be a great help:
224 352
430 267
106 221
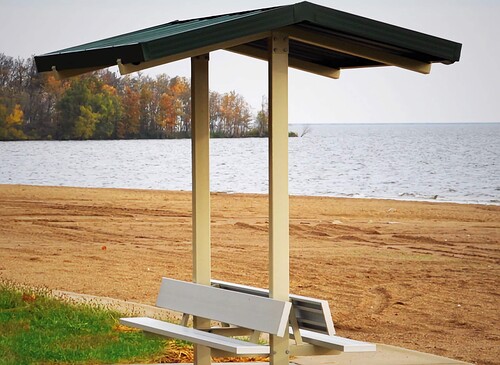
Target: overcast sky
467 91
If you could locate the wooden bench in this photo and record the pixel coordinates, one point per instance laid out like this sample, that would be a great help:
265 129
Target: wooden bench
247 311
310 322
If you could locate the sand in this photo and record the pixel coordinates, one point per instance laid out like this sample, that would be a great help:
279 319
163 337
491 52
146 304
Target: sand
420 275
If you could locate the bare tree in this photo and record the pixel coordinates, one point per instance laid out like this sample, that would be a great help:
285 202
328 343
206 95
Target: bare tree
306 130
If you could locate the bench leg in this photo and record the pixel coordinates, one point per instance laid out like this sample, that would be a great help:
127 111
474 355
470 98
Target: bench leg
295 327
255 337
185 320
202 354
279 350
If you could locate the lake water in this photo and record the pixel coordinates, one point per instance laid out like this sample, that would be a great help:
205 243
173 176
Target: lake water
439 162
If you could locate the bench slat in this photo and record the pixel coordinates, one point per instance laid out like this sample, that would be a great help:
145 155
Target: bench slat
243 310
212 340
310 310
335 342
311 323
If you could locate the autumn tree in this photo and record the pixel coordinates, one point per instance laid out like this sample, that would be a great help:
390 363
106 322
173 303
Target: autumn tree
262 119
128 126
181 91
147 105
85 124
6 71
167 114
101 109
235 114
46 116
11 123
12 98
77 95
215 113
108 108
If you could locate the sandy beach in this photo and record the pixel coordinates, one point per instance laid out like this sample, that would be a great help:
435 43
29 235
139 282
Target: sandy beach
424 276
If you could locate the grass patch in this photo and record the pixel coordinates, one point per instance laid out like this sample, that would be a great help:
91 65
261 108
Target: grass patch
38 329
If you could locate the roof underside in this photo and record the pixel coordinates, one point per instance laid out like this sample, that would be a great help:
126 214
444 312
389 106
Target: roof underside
322 40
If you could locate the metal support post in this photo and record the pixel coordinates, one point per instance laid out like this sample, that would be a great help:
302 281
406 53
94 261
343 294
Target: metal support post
278 184
200 136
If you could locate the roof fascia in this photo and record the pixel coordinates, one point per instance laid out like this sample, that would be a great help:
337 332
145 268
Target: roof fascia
444 50
94 58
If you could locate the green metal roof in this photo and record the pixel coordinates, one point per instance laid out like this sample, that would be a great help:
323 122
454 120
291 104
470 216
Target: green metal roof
313 28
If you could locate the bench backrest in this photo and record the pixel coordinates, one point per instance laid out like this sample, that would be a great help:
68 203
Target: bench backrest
312 314
240 309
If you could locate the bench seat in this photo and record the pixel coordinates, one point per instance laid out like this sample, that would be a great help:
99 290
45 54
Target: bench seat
250 313
335 342
199 337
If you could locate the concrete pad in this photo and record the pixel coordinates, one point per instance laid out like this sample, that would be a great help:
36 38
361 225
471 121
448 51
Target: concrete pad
385 355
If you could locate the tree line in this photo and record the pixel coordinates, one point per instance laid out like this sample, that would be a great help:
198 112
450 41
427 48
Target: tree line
101 105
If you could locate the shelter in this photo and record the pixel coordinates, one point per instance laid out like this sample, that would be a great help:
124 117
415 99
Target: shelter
305 36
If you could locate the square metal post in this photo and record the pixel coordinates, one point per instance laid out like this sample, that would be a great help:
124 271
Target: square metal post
200 137
278 184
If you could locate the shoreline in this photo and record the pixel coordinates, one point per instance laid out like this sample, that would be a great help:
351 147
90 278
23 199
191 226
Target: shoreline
418 275
494 203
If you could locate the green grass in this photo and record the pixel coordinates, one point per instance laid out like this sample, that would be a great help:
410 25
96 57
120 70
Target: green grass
38 329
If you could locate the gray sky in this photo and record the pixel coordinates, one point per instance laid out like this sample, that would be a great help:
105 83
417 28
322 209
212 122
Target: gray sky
467 91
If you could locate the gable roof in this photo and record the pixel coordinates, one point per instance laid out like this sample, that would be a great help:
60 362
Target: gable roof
322 40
